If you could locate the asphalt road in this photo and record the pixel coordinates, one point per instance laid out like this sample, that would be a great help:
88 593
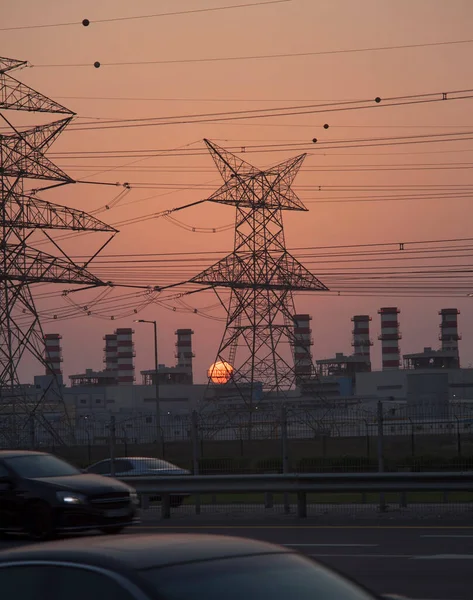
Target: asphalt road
425 562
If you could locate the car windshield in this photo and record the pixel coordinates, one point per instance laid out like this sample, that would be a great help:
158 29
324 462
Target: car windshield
34 466
275 576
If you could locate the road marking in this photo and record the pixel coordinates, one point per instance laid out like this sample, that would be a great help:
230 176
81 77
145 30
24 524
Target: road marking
302 526
448 536
331 545
406 556
445 557
360 555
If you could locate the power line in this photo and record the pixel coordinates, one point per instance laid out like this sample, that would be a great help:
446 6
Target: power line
274 147
262 56
327 169
395 246
87 22
219 117
141 99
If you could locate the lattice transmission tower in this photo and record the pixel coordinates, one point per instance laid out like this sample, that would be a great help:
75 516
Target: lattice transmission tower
22 213
261 275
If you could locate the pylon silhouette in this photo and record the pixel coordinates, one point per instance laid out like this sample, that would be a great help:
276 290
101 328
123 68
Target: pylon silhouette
21 265
256 349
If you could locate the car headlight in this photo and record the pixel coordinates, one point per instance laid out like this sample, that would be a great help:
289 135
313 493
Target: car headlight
71 498
134 498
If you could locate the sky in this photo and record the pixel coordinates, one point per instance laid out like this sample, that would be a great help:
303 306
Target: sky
418 192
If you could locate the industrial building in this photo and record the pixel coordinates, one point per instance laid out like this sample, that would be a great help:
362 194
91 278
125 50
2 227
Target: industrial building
419 386
99 393
340 378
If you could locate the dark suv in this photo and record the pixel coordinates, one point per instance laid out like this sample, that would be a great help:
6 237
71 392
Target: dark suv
41 494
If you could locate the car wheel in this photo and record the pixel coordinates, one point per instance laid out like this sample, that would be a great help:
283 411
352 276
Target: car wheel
39 521
112 530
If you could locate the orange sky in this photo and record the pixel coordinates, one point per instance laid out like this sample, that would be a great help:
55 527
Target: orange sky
297 26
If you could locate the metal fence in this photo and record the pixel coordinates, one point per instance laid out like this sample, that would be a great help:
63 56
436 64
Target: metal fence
301 488
267 439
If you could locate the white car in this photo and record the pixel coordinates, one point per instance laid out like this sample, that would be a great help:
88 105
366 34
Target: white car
140 466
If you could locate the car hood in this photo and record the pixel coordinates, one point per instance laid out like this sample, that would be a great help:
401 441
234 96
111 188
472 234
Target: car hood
86 483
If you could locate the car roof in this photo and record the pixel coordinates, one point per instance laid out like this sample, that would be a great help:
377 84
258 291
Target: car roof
143 551
136 459
14 453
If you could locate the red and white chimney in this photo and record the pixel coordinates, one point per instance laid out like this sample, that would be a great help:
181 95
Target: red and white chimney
390 336
449 329
302 347
184 352
125 355
361 336
110 358
52 354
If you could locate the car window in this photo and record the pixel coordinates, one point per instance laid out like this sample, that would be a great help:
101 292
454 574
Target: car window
101 468
33 466
122 466
23 582
275 576
3 471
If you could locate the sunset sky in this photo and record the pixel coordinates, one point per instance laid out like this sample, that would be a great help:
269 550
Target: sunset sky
397 192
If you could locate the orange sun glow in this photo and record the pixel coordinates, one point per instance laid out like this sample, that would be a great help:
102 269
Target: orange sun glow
220 372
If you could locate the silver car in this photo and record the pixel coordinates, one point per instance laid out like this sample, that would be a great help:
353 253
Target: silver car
140 466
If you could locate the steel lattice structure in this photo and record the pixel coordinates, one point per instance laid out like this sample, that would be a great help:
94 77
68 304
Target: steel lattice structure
22 157
260 274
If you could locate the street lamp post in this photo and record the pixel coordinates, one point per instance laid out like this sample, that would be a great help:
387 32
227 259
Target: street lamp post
156 382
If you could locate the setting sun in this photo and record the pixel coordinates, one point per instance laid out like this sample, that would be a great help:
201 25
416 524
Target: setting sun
220 372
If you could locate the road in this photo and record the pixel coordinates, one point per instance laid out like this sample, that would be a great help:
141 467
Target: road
426 562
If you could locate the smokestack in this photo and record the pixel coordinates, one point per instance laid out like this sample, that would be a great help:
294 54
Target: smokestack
361 336
302 347
52 354
125 355
110 357
390 337
449 329
184 352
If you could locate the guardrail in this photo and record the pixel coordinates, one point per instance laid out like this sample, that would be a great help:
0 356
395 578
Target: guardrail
299 484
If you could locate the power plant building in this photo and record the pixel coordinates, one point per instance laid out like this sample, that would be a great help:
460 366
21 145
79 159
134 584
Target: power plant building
348 377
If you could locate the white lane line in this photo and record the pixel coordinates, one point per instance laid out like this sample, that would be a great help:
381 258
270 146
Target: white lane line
331 545
444 557
390 556
360 555
447 536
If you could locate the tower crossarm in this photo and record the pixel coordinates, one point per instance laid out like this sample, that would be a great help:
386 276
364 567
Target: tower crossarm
27 265
15 95
22 152
29 212
252 188
228 164
9 64
280 272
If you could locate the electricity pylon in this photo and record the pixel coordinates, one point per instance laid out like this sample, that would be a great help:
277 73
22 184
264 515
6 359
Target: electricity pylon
22 157
261 275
